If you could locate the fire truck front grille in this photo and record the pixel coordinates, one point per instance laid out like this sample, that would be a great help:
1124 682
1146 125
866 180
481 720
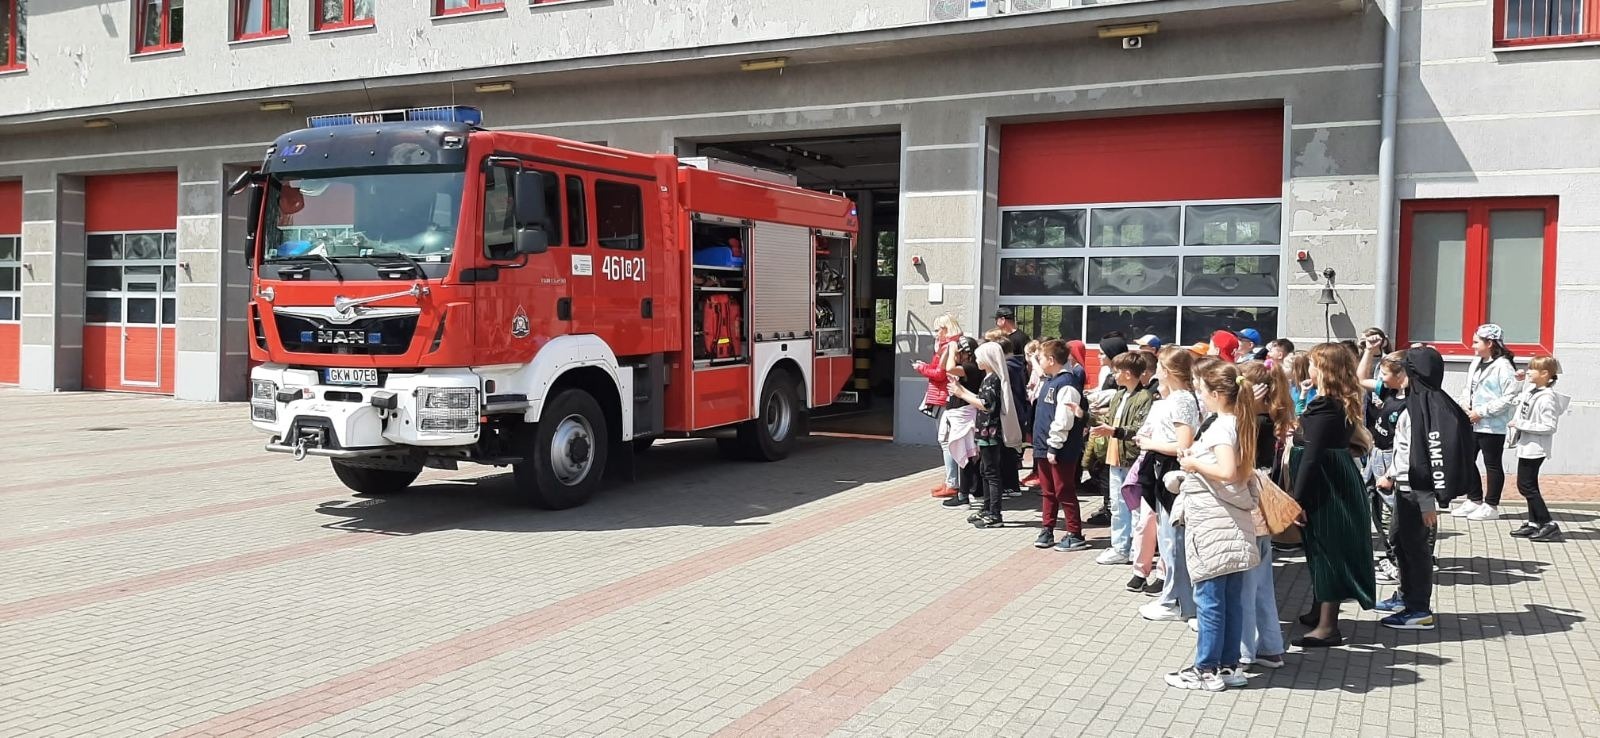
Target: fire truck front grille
385 336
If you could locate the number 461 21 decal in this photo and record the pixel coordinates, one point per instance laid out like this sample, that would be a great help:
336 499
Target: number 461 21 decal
623 268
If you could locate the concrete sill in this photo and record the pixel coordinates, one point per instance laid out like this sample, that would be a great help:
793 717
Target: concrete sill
474 14
341 29
12 70
157 52
258 39
1545 47
559 3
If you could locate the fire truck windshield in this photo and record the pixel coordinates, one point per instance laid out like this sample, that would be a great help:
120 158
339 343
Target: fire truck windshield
369 213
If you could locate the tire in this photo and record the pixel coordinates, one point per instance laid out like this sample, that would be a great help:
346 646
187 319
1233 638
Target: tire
779 421
373 481
566 463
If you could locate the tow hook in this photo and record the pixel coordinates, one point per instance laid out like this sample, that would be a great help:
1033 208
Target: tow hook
300 449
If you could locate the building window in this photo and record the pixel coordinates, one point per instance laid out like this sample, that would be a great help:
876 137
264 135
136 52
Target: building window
1178 270
1464 263
253 19
619 215
10 278
328 15
160 25
131 279
1536 22
13 34
453 7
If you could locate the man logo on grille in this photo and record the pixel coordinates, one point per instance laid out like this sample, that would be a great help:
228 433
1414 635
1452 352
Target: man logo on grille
519 324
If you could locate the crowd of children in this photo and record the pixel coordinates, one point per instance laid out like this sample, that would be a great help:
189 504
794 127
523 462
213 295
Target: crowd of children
1188 440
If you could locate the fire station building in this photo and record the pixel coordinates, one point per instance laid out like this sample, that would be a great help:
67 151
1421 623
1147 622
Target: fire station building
1172 167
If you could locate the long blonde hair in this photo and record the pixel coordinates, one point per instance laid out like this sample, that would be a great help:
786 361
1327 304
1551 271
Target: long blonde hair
1239 397
1337 378
1277 403
991 358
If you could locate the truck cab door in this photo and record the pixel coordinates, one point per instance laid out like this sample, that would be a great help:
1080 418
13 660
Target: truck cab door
521 301
622 308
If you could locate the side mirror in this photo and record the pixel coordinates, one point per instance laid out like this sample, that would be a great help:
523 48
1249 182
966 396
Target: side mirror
530 202
252 224
532 241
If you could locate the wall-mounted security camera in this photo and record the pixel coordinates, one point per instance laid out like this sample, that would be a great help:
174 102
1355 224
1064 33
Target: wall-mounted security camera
1132 34
1132 42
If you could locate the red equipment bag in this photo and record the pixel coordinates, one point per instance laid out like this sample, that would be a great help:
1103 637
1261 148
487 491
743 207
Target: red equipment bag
720 317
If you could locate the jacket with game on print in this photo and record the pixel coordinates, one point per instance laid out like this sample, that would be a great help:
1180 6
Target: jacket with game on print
1492 389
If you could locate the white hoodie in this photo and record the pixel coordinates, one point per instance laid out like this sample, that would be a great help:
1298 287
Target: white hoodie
1533 425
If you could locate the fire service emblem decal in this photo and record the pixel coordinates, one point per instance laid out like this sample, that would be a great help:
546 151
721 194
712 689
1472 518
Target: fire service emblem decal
519 324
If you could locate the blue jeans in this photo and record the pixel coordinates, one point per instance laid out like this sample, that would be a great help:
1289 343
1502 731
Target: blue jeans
1262 635
1176 591
1121 516
1219 604
952 473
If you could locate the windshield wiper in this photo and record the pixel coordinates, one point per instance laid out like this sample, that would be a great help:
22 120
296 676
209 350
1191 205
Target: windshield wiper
417 265
324 257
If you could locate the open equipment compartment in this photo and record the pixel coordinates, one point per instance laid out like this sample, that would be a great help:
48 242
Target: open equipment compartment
718 250
833 286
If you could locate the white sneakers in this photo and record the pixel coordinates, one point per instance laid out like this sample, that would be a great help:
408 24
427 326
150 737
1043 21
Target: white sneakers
1160 613
1485 512
1464 509
1110 557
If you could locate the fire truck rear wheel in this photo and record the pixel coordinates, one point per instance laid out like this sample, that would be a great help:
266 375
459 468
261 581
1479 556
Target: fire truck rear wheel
373 481
770 437
567 461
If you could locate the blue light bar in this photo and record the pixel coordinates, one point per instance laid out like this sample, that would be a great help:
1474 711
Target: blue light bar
438 113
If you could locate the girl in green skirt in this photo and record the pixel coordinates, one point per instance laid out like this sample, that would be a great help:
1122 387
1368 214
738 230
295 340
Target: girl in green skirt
1329 487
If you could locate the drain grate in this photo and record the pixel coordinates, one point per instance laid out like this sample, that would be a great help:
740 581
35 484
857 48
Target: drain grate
104 428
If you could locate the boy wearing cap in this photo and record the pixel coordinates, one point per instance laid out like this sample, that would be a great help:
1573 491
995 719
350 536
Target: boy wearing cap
1148 343
1006 320
1250 348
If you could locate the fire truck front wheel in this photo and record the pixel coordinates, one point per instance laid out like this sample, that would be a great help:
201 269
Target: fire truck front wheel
373 481
567 460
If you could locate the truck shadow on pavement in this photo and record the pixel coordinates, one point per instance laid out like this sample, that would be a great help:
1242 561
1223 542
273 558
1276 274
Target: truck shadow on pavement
682 483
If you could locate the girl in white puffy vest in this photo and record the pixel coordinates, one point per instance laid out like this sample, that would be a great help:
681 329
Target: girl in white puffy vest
1532 430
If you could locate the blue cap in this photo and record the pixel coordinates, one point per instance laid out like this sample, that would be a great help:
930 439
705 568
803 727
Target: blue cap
1148 341
1250 334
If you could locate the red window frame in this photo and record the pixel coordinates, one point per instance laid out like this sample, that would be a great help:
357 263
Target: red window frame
11 56
472 6
1590 31
351 20
240 33
165 43
1475 305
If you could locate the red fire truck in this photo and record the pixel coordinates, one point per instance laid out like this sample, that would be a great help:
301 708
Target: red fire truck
427 292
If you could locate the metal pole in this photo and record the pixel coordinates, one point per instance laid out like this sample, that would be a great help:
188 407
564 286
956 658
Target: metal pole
1384 283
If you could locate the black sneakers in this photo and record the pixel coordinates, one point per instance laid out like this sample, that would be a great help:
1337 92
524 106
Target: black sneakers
1526 529
1153 587
988 521
1136 583
957 501
1046 539
1547 532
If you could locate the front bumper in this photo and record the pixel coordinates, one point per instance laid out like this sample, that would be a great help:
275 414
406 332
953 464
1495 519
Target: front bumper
343 422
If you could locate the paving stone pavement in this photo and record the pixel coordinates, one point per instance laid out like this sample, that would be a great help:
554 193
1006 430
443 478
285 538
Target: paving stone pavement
172 578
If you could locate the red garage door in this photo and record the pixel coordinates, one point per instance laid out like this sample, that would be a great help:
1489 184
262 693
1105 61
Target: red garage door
130 302
10 280
1166 224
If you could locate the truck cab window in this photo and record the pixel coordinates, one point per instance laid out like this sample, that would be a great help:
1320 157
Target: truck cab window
499 225
619 215
577 212
499 211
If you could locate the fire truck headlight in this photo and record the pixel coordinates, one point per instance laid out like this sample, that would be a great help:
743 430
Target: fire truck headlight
447 410
263 400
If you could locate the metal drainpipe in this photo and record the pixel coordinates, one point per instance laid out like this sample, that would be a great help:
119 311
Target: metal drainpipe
1383 305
